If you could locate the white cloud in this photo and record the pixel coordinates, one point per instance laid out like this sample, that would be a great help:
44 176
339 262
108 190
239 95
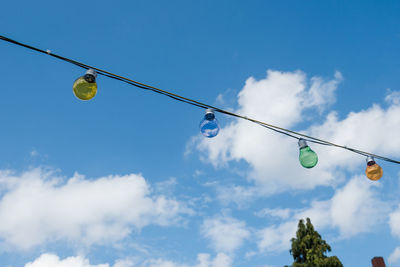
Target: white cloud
394 256
34 153
394 222
282 96
123 263
220 260
226 234
322 93
51 260
162 263
353 209
277 237
203 260
240 195
356 208
38 207
279 213
392 97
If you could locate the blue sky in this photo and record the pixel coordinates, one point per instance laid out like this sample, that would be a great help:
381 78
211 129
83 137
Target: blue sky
126 179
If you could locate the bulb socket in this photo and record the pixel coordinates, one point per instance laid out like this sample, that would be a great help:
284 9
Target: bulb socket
370 161
302 143
90 76
209 114
91 72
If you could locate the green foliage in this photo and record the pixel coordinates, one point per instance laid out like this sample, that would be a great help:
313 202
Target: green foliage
309 249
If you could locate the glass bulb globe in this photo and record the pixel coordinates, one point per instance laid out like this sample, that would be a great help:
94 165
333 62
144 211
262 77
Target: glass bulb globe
307 157
85 87
373 171
209 125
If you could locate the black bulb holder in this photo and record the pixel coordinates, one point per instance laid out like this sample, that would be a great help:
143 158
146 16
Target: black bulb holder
90 76
370 161
209 114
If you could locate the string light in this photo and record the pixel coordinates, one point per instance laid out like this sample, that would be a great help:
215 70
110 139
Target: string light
373 171
85 87
209 125
307 152
307 157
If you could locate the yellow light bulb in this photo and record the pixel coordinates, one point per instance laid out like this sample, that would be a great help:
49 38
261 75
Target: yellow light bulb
85 87
373 171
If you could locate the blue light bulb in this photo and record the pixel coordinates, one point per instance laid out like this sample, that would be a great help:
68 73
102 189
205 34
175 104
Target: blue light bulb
209 125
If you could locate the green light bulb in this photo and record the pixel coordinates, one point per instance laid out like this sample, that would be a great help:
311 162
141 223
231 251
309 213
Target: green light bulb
308 158
85 87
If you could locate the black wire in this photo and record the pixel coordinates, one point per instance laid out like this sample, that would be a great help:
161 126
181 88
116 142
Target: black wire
278 131
287 132
150 89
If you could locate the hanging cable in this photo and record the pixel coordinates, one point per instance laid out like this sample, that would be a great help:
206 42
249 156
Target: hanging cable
281 130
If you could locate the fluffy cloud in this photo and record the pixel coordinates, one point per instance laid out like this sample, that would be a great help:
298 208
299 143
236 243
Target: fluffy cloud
240 195
123 263
277 237
203 260
279 213
51 260
38 207
226 234
394 222
220 260
356 208
289 99
394 256
353 209
162 263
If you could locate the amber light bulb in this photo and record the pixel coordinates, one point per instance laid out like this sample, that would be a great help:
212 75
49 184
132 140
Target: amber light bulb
373 171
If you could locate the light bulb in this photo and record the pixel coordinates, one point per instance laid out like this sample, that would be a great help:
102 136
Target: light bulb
373 171
85 87
209 125
308 158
